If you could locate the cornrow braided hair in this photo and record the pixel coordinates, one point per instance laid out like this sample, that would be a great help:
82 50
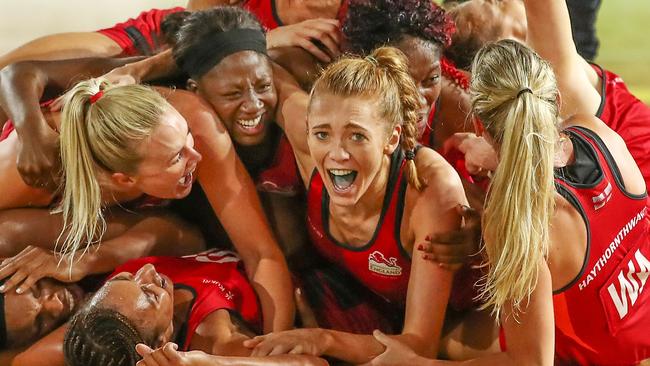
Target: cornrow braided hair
101 337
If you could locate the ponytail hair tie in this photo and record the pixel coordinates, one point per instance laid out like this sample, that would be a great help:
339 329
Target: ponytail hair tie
524 90
95 97
410 154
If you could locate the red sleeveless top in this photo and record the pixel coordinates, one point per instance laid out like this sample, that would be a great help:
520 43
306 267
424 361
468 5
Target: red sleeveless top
626 115
382 265
603 316
217 281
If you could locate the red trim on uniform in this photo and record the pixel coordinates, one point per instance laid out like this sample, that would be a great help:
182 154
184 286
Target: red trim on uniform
147 26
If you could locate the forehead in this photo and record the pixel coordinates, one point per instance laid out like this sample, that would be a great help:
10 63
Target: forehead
334 110
124 296
238 67
423 56
167 138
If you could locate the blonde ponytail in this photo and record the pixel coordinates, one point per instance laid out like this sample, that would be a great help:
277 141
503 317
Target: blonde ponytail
101 129
383 74
514 94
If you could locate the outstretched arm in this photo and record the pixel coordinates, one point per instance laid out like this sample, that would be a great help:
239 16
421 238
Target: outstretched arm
234 199
22 86
549 34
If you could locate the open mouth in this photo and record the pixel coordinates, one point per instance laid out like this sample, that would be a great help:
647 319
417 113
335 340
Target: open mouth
186 180
251 125
342 179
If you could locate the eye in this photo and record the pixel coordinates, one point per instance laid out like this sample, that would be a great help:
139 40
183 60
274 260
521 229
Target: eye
178 157
433 80
320 135
232 95
264 87
358 137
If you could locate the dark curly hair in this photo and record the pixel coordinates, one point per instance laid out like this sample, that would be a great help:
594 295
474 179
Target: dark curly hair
373 23
102 337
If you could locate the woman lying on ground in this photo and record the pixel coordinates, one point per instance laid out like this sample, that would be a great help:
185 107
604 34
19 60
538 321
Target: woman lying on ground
201 302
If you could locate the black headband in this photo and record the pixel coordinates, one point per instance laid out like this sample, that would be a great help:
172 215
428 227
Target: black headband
3 324
204 55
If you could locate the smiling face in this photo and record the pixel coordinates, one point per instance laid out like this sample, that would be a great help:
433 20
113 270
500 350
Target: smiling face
350 143
169 159
38 311
146 298
241 91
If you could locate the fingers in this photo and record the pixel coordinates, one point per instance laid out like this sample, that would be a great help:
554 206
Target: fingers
381 337
310 47
164 356
142 349
253 342
13 281
307 316
28 282
470 216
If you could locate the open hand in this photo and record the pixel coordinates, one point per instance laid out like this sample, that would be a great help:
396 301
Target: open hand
455 248
33 263
309 34
297 341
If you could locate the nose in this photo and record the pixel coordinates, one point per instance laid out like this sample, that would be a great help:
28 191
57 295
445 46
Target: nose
53 305
339 152
147 274
252 102
193 155
423 93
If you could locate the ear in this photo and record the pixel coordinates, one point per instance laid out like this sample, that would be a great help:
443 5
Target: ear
192 86
393 140
478 126
123 180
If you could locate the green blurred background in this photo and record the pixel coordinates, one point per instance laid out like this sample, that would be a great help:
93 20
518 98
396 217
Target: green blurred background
624 30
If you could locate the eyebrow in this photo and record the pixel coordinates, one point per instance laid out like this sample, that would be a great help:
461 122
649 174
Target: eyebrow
347 126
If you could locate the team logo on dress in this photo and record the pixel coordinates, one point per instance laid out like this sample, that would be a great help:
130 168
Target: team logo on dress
600 200
378 263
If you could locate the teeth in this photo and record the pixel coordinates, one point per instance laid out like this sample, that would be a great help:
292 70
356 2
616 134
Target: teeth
342 178
340 171
185 179
250 123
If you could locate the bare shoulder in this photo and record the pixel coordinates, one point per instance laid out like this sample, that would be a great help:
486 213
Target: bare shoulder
442 182
198 113
593 123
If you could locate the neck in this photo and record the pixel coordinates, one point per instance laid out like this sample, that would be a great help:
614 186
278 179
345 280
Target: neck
182 303
372 200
